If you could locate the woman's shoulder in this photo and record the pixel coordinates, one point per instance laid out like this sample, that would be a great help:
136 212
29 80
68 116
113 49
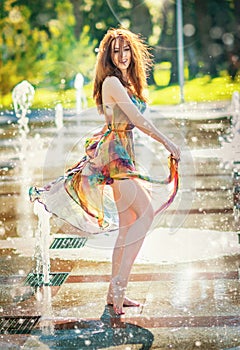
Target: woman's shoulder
111 81
113 88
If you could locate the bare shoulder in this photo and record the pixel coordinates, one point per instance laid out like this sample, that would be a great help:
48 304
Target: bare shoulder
113 90
111 82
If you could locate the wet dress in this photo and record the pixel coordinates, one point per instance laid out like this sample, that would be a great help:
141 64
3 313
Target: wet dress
82 196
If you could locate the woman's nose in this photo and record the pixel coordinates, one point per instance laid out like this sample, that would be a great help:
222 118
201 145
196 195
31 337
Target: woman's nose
123 54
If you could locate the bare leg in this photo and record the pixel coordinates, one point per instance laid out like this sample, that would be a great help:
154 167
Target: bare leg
135 218
117 258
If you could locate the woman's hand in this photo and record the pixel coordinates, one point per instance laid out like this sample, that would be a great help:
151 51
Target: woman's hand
173 149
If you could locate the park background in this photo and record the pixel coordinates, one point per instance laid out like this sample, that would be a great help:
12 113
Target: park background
49 42
53 285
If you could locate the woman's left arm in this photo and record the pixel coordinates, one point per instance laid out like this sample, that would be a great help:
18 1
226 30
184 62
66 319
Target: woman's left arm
120 96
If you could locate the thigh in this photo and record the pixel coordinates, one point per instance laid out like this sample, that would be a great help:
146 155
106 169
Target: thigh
130 195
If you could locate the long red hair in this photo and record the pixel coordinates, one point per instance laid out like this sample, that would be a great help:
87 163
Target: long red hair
137 70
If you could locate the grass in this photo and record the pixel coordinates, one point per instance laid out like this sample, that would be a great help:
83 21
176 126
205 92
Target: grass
202 89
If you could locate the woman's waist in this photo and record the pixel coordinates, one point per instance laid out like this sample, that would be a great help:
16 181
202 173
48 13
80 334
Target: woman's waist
120 127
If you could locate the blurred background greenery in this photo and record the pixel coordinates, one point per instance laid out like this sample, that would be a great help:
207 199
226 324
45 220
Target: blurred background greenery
49 42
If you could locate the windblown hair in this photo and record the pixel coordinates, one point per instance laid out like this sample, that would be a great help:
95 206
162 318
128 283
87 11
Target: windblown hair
141 61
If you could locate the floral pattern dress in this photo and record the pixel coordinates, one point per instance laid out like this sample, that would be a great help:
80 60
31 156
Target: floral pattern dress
81 196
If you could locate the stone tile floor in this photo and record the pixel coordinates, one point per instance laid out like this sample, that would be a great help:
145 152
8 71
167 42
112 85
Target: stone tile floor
187 280
185 305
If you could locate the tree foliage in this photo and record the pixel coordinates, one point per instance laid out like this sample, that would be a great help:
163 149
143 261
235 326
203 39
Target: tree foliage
211 35
48 42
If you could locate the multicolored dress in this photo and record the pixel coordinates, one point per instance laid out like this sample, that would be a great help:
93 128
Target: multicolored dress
82 196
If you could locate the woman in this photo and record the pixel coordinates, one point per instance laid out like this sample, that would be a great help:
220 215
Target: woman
120 80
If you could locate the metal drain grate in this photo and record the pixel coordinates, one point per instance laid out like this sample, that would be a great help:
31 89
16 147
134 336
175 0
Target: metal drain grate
37 280
17 324
68 243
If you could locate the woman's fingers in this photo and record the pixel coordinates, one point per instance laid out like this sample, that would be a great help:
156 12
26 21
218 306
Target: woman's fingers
174 150
177 153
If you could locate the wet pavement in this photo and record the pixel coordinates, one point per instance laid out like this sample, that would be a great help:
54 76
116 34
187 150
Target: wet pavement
186 276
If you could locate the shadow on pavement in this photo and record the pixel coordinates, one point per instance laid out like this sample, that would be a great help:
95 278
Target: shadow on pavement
107 332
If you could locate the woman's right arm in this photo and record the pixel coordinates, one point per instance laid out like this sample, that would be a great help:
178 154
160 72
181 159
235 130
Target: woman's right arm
113 89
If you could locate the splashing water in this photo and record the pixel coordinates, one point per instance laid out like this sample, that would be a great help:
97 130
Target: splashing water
230 150
80 95
22 96
59 116
43 240
235 106
234 150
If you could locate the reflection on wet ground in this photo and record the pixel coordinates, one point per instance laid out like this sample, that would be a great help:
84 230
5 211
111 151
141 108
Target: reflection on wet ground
186 276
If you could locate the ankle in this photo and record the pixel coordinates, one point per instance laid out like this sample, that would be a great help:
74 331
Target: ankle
120 282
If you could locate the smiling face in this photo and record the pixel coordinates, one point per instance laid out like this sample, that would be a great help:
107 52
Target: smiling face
121 54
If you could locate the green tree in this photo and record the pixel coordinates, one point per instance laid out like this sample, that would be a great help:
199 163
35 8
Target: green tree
210 35
22 46
98 15
48 55
215 27
68 55
166 48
